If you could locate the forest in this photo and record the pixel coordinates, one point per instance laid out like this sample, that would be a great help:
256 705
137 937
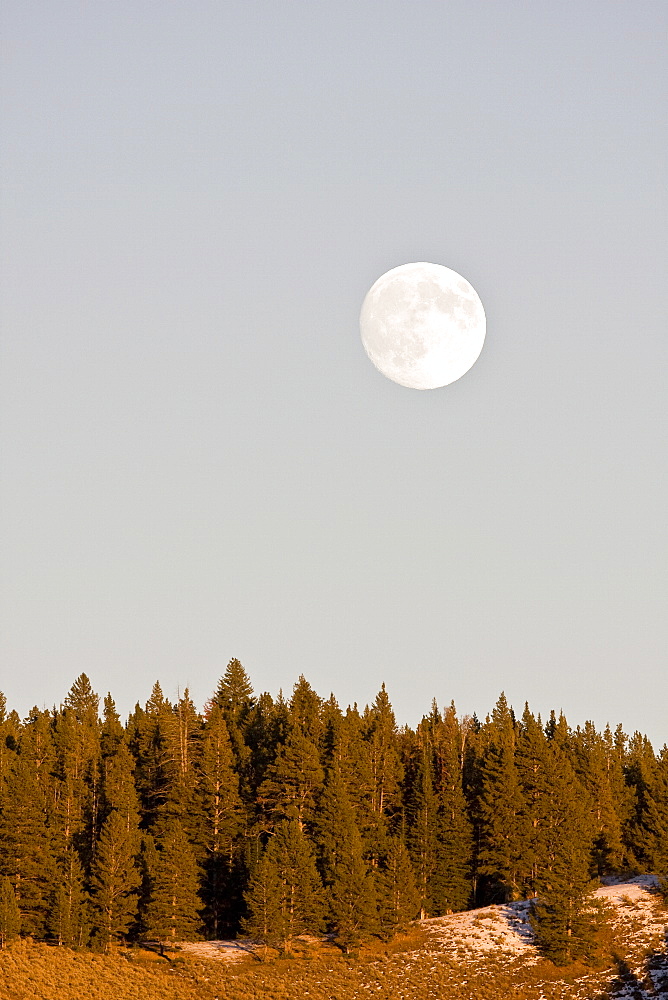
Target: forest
271 817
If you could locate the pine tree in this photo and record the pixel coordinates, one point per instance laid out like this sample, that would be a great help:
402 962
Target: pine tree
114 880
8 739
264 902
83 701
531 759
147 862
118 790
69 917
147 737
641 774
234 697
386 774
219 787
306 712
451 884
654 832
399 898
285 895
26 855
234 694
503 829
173 912
353 907
182 729
112 733
265 730
10 916
37 752
221 828
332 732
293 781
351 753
597 768
421 810
77 740
76 734
562 916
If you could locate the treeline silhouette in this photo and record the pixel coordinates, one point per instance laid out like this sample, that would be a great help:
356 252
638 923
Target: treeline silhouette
275 817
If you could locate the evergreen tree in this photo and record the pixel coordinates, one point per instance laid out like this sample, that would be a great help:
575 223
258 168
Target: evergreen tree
26 855
219 788
601 774
173 912
37 752
653 835
353 907
421 810
180 750
76 790
115 879
147 737
68 920
285 895
83 701
531 759
147 863
641 772
562 916
399 898
503 825
265 730
306 712
351 753
112 733
234 697
77 742
332 731
333 810
118 790
234 694
10 916
221 828
293 781
264 902
8 739
451 884
386 774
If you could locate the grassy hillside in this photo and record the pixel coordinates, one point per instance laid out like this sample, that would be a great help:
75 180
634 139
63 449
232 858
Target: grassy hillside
482 955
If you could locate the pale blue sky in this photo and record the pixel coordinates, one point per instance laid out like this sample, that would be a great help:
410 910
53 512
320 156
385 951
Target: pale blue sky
197 459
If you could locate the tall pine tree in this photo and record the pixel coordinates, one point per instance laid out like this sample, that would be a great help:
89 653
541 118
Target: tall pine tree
452 879
115 879
398 896
285 896
26 854
221 827
173 912
562 916
353 908
10 915
500 807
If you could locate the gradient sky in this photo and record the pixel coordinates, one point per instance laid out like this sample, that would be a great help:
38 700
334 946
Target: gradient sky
197 459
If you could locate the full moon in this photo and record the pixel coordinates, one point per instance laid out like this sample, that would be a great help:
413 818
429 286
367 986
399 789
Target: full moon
422 325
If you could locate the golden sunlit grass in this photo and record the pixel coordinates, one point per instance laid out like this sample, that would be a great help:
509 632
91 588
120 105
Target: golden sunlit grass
413 967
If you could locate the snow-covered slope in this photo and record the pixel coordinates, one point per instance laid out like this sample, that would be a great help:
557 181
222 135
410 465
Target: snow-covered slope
639 922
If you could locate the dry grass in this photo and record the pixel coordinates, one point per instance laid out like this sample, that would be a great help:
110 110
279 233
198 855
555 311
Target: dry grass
447 959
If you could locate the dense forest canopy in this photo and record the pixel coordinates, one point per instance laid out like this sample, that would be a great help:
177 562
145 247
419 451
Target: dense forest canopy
272 817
